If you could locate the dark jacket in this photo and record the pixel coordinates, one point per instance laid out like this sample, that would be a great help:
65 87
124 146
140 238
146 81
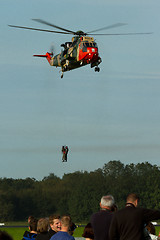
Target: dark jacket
42 236
27 236
100 222
128 223
51 233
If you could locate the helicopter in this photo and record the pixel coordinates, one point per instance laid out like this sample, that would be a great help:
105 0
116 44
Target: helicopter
82 50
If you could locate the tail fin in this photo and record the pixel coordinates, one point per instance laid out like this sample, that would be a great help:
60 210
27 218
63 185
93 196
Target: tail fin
47 55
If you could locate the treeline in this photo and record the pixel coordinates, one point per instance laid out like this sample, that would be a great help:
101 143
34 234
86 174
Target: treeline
78 193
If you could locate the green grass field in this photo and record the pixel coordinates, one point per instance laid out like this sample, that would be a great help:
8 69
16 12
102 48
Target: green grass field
17 232
157 230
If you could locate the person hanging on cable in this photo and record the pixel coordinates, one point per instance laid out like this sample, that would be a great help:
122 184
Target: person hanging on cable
64 153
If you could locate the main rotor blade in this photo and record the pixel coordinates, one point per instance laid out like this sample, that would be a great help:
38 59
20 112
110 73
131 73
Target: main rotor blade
110 34
95 34
38 29
108 27
52 25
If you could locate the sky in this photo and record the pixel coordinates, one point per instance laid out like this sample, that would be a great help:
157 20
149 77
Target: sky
101 116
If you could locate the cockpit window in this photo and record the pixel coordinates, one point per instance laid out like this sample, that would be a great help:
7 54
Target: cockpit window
89 44
95 45
85 45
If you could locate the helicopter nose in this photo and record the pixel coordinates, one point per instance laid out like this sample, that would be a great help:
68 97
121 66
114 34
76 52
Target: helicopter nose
92 54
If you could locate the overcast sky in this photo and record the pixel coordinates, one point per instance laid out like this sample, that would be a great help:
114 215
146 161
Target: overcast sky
110 115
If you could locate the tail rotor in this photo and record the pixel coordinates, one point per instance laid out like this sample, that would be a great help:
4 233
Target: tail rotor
52 49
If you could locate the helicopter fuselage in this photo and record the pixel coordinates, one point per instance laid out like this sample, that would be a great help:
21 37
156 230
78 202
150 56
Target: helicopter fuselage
81 51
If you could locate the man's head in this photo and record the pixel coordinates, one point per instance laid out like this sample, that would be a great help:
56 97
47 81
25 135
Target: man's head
71 229
55 223
30 218
133 198
33 225
42 225
88 231
107 202
65 223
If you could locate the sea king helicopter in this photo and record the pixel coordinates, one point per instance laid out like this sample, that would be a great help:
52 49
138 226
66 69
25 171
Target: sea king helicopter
82 50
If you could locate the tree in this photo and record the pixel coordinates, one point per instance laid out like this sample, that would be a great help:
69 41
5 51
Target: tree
79 193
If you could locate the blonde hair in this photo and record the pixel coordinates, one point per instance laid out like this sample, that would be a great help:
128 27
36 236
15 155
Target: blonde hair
42 225
66 221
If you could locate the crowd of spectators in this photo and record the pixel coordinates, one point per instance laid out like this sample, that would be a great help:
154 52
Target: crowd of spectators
129 223
54 228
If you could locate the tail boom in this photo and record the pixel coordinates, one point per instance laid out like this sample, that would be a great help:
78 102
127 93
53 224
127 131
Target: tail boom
53 61
47 55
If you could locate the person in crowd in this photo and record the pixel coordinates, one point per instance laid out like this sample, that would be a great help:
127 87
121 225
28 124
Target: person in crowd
32 233
146 235
55 225
71 229
88 233
63 233
30 218
128 223
152 231
114 208
101 220
5 236
42 229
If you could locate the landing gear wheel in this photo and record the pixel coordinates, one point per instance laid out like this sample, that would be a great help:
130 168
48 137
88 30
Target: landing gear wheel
97 69
62 75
